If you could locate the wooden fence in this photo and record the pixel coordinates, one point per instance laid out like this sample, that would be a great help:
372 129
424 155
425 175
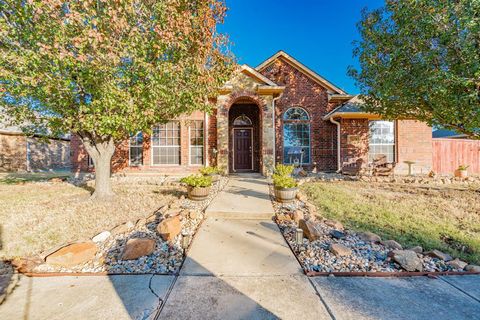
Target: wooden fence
448 154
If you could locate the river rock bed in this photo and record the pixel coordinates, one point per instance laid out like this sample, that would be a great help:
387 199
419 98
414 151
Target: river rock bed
167 256
341 250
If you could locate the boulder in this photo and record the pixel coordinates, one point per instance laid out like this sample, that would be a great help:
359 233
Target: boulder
283 217
26 265
138 247
101 237
337 234
310 230
73 254
340 250
457 264
334 224
472 268
416 249
392 244
439 255
298 215
408 260
169 228
369 236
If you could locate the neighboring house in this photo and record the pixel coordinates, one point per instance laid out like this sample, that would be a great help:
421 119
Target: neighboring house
278 112
448 134
19 152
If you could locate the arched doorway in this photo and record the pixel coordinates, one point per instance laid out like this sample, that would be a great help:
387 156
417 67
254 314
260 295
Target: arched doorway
244 138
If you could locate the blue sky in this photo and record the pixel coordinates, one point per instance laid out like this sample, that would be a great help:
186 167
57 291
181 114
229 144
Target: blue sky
317 33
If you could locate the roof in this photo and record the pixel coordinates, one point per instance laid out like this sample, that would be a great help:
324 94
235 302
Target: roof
351 108
304 69
444 133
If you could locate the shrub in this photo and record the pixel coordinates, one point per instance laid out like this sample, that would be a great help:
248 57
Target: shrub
197 181
209 170
282 181
463 167
284 170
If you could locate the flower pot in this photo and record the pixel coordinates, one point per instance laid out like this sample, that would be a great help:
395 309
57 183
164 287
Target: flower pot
285 195
461 173
215 177
197 193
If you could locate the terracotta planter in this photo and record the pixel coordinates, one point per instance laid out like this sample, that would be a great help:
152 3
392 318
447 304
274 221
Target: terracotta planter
285 195
197 193
461 174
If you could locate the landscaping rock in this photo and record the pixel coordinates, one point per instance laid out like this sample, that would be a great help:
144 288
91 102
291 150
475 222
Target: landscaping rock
369 236
334 224
439 255
472 268
392 244
283 217
298 215
169 228
26 265
340 250
73 254
309 230
311 208
101 237
138 247
416 249
193 214
123 228
408 260
457 264
337 234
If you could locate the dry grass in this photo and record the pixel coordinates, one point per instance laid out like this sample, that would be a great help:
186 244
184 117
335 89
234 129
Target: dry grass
444 217
38 216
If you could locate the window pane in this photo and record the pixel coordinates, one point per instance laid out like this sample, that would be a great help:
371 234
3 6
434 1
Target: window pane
382 140
165 143
296 142
196 142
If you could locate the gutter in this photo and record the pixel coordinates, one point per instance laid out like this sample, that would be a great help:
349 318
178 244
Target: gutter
339 165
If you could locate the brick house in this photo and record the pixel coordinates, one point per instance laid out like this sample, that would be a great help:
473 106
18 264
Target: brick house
278 112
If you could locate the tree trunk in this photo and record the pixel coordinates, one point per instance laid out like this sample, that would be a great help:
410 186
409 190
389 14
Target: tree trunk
101 151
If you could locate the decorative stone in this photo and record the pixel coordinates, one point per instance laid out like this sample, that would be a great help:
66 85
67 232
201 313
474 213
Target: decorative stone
26 265
311 208
123 228
408 260
193 214
298 215
310 230
337 234
73 254
340 250
416 249
439 255
283 217
457 264
169 228
173 212
334 224
472 268
138 247
101 237
369 236
392 244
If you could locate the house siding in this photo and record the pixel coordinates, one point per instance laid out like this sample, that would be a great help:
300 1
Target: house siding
414 143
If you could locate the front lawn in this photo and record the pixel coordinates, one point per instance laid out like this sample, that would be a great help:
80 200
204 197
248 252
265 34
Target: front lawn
435 217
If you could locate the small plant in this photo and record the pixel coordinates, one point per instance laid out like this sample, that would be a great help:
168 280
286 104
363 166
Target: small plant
284 170
197 181
284 182
209 170
463 167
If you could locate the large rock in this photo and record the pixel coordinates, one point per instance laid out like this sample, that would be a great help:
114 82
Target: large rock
73 254
334 224
138 247
298 215
392 244
123 228
337 234
310 230
457 264
340 250
408 260
439 255
169 228
472 268
369 236
416 249
101 237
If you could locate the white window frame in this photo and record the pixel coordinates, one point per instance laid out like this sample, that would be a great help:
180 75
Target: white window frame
130 149
190 146
393 145
152 147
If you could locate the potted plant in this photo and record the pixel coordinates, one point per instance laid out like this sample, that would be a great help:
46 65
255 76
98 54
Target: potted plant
211 172
285 187
461 171
198 186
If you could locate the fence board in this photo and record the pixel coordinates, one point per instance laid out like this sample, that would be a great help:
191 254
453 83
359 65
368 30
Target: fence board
448 154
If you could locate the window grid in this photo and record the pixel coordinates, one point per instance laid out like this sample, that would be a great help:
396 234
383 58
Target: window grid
296 136
136 149
382 140
196 142
166 144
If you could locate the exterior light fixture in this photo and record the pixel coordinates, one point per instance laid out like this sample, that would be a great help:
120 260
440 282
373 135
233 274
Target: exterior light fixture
299 236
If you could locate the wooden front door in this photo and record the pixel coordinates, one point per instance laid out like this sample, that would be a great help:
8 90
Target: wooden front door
242 149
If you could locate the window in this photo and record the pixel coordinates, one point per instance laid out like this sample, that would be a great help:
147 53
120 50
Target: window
136 149
382 140
296 136
242 120
166 144
196 142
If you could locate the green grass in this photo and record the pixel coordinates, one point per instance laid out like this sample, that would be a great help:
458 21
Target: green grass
438 217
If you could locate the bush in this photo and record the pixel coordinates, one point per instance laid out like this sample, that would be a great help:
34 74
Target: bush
209 170
284 170
197 181
284 182
463 167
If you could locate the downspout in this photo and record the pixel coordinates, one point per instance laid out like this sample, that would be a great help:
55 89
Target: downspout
339 164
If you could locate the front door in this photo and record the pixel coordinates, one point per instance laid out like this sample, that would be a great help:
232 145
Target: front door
242 149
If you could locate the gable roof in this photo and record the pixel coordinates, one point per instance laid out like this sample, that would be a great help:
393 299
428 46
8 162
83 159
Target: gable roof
351 108
304 69
257 75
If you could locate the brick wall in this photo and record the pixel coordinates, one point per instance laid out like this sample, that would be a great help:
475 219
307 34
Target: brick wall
13 152
304 92
48 155
414 143
354 136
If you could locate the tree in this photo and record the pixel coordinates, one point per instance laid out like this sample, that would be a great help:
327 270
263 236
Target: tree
421 59
106 69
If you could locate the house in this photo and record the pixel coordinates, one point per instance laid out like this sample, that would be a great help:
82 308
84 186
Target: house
278 112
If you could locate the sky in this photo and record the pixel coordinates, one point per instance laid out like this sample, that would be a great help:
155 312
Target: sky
317 33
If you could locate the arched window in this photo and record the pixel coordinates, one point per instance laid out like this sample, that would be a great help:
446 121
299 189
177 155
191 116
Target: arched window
296 136
242 120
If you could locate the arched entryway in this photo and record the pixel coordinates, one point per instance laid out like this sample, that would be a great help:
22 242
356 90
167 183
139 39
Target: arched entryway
244 138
